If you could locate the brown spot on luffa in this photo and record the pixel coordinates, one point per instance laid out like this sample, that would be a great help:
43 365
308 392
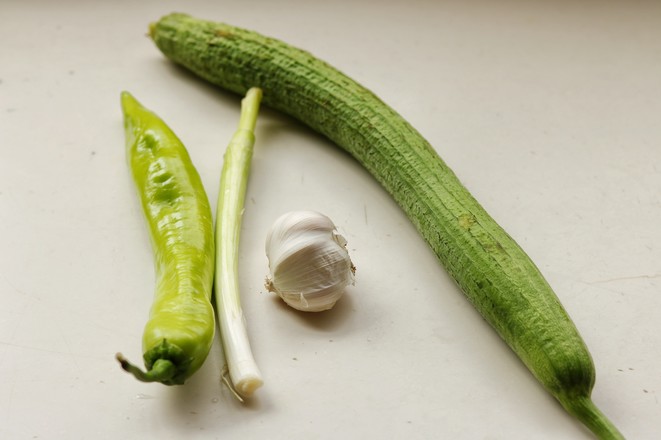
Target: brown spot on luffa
466 220
223 33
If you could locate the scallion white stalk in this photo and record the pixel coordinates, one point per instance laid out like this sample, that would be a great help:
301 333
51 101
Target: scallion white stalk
244 374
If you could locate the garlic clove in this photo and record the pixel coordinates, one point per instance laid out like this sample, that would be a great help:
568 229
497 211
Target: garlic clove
296 223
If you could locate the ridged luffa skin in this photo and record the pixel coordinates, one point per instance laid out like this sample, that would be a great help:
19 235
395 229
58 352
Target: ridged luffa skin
181 325
496 275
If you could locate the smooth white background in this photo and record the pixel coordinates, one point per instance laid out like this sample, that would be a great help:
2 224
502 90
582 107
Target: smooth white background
547 110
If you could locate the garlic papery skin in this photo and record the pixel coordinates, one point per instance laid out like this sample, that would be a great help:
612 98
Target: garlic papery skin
308 261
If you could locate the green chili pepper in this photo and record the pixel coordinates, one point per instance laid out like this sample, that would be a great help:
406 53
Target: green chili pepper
180 330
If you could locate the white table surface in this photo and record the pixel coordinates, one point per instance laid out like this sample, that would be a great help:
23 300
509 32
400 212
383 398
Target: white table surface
547 111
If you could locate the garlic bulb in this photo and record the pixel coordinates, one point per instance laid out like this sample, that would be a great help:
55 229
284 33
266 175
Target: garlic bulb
308 261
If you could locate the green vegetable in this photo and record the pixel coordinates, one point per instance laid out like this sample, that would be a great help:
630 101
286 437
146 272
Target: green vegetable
494 272
243 371
180 330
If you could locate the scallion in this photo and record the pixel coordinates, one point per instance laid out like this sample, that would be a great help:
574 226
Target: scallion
244 375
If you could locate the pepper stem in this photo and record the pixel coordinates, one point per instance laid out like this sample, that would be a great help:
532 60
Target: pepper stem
584 409
161 371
